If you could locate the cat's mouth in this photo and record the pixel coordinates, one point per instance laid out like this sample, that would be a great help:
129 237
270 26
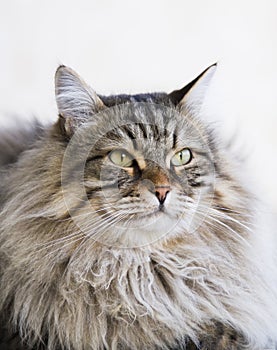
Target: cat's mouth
156 213
161 208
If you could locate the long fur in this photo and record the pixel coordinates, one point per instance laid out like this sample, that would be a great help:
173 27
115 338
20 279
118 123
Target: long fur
86 287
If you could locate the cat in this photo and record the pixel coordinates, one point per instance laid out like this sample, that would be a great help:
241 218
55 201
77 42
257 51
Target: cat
126 225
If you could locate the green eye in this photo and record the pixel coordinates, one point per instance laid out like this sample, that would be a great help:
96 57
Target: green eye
121 158
181 157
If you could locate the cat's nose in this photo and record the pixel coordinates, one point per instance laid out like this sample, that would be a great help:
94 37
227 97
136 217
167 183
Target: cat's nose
161 192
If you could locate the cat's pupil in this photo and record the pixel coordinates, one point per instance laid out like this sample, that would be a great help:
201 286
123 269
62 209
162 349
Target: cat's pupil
123 156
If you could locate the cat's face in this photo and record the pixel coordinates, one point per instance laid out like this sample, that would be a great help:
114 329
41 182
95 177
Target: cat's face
142 171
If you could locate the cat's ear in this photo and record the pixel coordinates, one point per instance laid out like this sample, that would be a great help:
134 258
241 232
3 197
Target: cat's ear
75 99
191 96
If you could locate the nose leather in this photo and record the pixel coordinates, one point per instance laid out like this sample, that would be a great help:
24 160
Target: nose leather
161 192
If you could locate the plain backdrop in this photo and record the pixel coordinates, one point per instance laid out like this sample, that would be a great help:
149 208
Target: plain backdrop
138 46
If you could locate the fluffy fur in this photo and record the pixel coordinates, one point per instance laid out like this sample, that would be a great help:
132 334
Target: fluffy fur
87 265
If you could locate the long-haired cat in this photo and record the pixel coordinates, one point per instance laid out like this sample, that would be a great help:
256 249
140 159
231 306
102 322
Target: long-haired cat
125 225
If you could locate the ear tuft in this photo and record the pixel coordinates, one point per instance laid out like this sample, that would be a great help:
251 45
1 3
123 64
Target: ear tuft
192 95
75 99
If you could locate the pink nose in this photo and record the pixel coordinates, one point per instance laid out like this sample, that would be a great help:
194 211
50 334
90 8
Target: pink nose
161 192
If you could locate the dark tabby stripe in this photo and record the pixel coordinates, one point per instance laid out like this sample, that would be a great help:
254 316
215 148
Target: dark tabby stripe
142 129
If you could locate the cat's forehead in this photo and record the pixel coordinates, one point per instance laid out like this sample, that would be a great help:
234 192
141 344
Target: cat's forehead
149 122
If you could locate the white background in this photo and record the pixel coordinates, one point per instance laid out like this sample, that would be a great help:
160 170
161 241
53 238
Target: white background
127 46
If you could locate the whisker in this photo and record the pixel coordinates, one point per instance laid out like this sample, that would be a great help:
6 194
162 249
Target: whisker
65 245
67 237
237 235
56 241
100 231
229 218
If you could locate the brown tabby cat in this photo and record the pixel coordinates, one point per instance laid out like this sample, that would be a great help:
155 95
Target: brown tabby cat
126 226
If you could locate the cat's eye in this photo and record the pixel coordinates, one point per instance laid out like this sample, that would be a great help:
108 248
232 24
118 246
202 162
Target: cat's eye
182 157
121 158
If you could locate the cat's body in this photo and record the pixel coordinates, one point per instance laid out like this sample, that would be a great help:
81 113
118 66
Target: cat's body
158 249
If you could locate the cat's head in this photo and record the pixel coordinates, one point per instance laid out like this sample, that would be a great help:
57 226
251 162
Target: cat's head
136 168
